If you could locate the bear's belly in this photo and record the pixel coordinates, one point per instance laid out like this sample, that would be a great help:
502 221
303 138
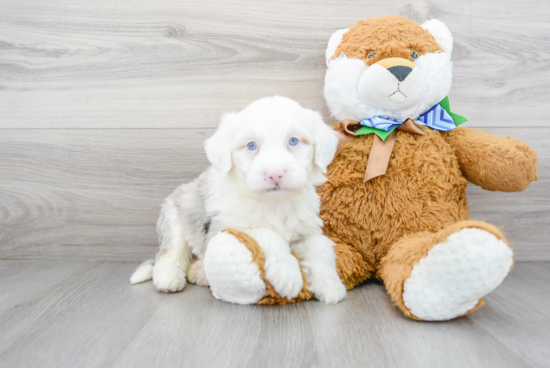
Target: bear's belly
422 190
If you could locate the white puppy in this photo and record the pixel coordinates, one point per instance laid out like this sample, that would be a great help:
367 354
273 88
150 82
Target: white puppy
266 163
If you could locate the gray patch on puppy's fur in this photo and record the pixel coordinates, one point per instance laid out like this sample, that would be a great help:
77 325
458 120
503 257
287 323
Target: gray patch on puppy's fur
189 201
206 226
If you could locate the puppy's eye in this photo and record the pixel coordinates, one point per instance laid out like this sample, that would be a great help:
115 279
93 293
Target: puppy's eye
371 54
252 146
293 141
414 54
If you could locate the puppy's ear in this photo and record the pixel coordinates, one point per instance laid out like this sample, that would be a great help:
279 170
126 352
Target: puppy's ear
218 147
334 42
325 141
441 33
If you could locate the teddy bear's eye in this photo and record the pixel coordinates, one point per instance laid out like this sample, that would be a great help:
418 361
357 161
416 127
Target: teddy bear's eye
414 54
371 54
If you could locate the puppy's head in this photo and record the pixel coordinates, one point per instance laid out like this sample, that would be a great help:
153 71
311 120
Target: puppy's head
274 147
388 66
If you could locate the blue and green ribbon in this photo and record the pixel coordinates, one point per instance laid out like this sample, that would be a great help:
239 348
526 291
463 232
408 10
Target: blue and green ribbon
439 117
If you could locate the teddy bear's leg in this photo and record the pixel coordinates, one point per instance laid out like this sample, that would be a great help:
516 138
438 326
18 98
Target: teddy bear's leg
351 265
444 275
234 266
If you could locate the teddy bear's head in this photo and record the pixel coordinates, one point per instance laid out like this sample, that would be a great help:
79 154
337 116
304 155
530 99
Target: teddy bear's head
388 66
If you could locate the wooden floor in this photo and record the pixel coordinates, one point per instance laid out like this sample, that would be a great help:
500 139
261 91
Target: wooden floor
86 314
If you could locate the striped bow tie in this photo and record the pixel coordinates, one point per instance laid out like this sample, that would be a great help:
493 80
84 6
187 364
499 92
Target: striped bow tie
439 117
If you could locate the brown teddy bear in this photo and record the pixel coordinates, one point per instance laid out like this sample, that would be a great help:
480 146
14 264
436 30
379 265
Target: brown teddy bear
395 201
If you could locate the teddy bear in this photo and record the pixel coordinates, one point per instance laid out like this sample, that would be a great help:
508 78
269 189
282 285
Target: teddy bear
395 201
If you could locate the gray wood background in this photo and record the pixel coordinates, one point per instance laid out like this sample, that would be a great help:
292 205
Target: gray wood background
104 105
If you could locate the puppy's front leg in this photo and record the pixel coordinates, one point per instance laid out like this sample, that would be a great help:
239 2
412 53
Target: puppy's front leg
173 255
282 269
319 264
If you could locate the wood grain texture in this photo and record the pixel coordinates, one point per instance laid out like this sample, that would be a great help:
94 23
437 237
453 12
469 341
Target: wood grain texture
104 105
86 314
90 194
95 194
177 64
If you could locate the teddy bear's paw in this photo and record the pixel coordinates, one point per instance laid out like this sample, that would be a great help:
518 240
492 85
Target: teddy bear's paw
456 274
196 274
168 278
282 270
327 288
231 272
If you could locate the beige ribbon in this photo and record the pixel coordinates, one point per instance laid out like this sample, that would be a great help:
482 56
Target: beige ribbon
380 152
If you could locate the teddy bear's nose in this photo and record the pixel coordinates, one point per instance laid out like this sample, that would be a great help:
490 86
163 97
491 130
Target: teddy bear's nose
400 72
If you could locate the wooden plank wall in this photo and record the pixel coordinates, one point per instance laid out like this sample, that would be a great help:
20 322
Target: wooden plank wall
104 104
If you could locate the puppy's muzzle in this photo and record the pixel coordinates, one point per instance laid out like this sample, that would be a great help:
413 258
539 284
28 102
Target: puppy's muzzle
399 67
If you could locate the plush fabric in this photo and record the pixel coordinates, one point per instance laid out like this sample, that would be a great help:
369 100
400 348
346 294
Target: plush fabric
396 267
391 36
423 189
492 162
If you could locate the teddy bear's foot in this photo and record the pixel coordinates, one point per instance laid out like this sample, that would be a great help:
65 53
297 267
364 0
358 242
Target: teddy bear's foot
456 274
230 270
437 277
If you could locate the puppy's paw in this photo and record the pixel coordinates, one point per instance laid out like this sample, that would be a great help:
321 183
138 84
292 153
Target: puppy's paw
196 274
331 291
168 278
283 272
325 286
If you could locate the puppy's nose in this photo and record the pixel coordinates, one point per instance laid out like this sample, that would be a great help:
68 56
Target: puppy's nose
400 72
275 176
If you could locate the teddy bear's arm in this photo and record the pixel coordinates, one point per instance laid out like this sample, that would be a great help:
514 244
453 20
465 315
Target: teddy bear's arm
493 162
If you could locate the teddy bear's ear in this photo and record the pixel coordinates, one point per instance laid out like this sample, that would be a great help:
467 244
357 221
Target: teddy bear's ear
333 43
441 33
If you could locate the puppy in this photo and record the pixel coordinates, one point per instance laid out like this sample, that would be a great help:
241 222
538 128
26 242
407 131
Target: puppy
266 163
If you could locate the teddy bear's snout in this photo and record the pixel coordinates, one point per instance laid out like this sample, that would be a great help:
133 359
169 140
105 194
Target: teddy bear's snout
400 72
399 67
